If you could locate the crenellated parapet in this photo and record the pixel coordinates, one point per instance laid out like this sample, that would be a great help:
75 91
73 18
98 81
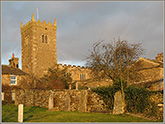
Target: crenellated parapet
74 67
38 23
39 46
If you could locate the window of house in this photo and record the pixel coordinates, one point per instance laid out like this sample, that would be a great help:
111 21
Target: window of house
42 38
13 80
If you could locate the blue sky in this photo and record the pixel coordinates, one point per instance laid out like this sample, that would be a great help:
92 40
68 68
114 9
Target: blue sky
80 24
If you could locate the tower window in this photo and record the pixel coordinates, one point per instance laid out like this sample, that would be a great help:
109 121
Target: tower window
42 38
46 39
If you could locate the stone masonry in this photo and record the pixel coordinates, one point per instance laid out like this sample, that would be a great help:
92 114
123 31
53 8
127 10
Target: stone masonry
63 100
39 52
39 47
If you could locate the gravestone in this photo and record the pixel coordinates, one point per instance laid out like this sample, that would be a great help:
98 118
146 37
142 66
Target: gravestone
50 102
118 103
20 113
83 101
67 102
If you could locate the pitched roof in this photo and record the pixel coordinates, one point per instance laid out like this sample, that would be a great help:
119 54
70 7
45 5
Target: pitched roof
11 70
143 63
150 70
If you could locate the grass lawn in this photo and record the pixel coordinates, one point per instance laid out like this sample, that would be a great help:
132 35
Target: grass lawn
37 114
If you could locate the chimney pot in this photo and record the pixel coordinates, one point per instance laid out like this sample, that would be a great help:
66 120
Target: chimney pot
13 55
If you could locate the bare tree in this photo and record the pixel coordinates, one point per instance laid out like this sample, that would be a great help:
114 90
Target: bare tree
113 60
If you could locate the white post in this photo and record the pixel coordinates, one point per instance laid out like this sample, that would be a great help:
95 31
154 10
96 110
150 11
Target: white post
2 96
20 113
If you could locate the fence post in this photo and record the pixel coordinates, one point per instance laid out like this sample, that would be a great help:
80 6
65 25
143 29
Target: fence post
20 113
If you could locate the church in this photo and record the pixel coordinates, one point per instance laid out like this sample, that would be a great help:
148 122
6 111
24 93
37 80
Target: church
39 52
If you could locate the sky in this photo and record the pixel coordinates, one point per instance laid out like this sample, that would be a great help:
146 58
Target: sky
81 24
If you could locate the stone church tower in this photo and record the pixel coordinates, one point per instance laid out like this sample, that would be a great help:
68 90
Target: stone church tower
38 46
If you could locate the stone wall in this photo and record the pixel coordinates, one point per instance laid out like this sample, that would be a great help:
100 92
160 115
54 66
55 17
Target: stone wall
158 100
6 79
63 100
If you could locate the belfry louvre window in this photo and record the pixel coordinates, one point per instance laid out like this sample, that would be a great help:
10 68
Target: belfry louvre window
44 38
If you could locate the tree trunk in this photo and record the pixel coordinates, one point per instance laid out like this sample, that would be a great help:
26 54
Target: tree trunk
123 94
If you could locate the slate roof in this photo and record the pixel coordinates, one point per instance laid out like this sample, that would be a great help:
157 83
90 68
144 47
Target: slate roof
150 70
12 71
143 63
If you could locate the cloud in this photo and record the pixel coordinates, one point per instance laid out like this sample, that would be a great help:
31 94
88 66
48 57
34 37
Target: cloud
80 24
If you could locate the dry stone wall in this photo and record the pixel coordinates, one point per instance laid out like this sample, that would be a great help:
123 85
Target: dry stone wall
158 101
62 100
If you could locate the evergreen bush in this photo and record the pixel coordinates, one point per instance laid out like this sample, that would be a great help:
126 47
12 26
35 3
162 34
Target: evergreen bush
107 93
137 99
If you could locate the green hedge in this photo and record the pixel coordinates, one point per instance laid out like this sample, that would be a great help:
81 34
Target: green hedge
136 98
107 93
8 102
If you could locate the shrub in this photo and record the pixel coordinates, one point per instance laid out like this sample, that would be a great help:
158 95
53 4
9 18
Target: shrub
137 99
107 93
56 78
8 102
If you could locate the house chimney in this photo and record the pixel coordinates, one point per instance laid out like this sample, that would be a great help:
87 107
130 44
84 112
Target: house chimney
13 55
159 57
13 62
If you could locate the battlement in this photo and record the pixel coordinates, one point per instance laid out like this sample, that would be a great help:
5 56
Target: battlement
73 66
38 24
